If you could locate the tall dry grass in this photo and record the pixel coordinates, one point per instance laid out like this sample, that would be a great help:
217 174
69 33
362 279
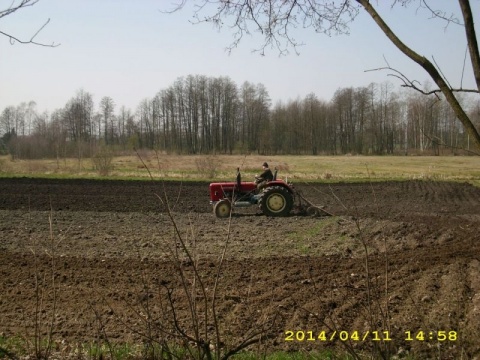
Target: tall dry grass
223 167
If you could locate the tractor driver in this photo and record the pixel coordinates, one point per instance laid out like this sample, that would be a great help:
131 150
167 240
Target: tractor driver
262 179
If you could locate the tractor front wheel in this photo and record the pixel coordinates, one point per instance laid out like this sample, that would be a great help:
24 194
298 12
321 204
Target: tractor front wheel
276 201
223 208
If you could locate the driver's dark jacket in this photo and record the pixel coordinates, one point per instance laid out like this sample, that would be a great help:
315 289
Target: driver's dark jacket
266 175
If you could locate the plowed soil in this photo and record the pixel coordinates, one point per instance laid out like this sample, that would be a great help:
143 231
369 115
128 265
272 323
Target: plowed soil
398 263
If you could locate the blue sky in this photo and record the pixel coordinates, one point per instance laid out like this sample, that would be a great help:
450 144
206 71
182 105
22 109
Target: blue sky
129 50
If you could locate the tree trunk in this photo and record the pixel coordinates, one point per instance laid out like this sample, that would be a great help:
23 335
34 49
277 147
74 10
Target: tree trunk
429 68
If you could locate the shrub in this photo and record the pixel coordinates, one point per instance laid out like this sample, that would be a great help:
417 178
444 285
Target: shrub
102 161
207 166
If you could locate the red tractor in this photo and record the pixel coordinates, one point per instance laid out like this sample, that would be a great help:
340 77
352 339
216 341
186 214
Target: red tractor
275 198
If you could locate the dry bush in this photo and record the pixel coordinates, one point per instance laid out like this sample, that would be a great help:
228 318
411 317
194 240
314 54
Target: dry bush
282 167
207 166
162 163
145 154
102 161
35 167
3 165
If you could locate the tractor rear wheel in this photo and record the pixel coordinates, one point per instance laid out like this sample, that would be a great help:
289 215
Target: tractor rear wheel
222 209
276 201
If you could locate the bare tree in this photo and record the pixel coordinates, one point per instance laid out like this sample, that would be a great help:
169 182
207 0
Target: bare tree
276 21
122 125
7 120
107 106
255 104
16 5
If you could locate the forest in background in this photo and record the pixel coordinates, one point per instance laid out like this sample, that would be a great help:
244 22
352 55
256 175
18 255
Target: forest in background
214 115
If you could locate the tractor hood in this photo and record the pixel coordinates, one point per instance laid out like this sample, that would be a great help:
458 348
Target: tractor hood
219 190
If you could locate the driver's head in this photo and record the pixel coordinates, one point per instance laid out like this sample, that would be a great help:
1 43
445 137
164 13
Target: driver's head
265 165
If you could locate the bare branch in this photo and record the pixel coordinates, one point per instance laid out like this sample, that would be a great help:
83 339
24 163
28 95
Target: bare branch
12 38
441 143
12 8
471 36
450 19
276 20
411 83
441 72
177 7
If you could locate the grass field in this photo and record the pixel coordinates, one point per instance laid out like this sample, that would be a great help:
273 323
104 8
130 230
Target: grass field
223 167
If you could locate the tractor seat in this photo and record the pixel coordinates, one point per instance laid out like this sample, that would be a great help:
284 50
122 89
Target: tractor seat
239 179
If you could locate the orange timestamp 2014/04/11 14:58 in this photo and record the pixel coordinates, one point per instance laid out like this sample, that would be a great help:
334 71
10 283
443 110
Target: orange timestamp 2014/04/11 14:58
376 335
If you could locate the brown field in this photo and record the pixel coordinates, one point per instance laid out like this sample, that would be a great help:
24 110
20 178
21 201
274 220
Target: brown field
113 243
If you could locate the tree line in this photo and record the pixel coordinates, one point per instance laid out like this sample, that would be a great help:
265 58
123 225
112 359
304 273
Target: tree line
213 115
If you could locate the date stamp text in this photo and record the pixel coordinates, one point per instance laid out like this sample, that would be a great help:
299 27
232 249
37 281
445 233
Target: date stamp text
375 335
